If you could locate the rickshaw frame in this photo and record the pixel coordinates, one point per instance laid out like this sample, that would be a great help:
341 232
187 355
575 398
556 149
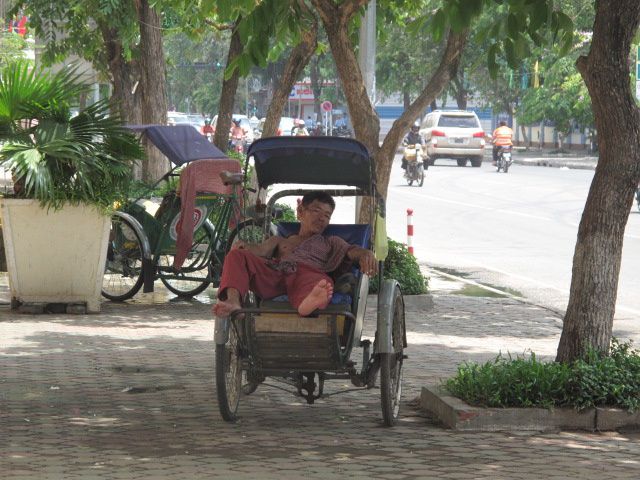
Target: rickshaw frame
246 355
181 144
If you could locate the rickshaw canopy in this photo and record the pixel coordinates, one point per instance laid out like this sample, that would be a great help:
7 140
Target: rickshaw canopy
180 143
314 161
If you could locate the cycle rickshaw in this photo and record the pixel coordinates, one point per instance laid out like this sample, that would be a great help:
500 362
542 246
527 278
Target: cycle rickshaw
267 338
182 240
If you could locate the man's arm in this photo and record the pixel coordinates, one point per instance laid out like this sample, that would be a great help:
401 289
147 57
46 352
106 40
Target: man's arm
365 258
264 249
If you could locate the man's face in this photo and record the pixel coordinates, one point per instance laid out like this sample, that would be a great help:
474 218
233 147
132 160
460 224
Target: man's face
314 217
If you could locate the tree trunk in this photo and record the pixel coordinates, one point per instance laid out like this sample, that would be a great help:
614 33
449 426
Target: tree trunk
525 139
596 263
336 19
296 62
126 98
406 99
316 84
460 92
227 95
366 124
152 86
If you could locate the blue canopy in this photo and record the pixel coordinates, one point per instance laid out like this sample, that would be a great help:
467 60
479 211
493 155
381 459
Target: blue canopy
313 160
180 143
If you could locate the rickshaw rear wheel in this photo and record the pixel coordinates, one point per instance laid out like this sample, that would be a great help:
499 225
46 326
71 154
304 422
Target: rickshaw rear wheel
229 375
123 270
199 263
248 231
391 365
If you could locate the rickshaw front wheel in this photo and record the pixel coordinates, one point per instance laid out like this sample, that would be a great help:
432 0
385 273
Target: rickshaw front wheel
229 375
198 268
391 365
123 270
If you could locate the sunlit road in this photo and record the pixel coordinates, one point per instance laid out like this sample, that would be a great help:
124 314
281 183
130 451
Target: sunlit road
516 230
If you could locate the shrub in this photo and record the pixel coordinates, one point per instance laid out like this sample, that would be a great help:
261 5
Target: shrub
596 380
288 213
403 267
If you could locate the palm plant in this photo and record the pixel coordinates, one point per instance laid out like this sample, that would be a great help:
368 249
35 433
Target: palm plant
55 157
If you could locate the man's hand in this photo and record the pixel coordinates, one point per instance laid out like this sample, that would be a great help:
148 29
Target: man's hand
368 263
365 258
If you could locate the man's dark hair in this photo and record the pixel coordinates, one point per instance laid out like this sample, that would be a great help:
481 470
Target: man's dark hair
322 197
503 123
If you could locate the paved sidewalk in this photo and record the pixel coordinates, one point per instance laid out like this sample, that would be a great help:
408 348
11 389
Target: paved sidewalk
549 158
129 394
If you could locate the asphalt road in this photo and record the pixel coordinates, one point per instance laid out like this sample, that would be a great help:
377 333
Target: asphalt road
514 230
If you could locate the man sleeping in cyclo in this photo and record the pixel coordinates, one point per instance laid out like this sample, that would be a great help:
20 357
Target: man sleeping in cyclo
297 265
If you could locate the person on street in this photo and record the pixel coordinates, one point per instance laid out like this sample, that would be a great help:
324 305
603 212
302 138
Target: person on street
501 138
297 265
237 135
237 132
413 138
300 129
340 122
207 130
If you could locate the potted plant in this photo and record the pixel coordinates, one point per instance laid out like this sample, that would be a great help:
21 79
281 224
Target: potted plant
68 171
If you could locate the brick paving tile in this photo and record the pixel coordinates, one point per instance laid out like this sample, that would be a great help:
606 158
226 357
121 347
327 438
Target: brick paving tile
129 394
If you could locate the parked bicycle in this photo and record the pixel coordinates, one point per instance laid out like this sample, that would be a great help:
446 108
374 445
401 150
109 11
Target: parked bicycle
151 240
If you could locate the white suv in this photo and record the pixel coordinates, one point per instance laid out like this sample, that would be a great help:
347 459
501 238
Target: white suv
455 134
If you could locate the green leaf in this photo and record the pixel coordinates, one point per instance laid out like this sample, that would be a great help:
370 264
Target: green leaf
438 25
513 26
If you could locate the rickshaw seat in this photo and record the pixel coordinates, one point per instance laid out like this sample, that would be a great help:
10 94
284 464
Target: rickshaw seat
199 176
356 234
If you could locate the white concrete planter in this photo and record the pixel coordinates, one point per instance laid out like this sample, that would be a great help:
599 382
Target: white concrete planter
54 256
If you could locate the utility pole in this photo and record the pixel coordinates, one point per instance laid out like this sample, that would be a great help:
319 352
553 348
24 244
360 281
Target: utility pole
367 62
367 51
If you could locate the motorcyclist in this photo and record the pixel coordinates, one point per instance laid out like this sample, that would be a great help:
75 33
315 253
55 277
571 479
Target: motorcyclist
207 130
412 138
501 138
237 134
300 129
318 130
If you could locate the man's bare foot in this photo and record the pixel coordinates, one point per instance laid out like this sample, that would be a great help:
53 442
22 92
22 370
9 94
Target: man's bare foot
319 297
224 308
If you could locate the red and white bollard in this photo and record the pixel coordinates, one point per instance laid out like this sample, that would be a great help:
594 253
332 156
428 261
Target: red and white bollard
410 230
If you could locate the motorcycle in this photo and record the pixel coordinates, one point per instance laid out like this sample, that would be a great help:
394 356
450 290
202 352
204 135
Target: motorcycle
317 131
341 132
415 166
504 160
237 145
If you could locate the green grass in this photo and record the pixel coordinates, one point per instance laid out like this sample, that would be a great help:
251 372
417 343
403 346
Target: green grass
597 380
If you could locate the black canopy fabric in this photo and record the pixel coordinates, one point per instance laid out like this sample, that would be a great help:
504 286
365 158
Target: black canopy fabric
312 160
180 143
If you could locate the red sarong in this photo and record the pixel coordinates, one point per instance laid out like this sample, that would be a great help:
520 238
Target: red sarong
245 271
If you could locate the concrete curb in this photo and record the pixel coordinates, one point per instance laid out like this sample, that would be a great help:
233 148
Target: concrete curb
418 303
557 163
455 414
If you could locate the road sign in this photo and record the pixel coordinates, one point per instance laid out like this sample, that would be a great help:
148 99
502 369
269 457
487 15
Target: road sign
326 106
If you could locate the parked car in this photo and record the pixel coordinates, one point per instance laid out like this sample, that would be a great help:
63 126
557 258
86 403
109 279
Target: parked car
285 127
177 118
455 134
196 120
